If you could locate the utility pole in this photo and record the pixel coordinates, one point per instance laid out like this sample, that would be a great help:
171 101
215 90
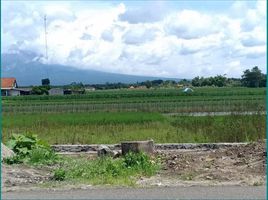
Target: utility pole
45 26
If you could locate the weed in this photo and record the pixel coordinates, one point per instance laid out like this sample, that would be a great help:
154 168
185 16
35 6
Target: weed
29 149
105 170
59 174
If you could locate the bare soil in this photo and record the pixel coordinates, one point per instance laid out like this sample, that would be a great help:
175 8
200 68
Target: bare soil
241 165
238 165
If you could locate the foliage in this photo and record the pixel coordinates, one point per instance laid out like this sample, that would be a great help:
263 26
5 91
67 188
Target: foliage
28 148
253 78
219 81
59 174
140 161
40 90
106 170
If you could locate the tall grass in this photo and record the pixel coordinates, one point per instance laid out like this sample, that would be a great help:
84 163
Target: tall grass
90 128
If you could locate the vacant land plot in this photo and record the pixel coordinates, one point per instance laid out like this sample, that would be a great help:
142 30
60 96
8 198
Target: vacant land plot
240 165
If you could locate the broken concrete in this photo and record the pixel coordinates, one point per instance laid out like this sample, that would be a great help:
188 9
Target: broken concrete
138 146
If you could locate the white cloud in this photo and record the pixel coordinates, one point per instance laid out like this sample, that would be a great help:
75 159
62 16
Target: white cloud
189 24
139 34
123 39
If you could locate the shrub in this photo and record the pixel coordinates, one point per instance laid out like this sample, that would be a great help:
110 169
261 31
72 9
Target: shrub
140 162
29 149
59 174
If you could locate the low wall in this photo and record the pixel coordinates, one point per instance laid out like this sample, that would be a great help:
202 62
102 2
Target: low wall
166 146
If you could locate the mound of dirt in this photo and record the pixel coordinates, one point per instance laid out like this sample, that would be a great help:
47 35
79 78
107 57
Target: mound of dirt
6 152
243 165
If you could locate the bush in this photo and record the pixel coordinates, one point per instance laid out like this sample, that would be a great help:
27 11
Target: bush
140 162
42 156
13 160
29 149
59 174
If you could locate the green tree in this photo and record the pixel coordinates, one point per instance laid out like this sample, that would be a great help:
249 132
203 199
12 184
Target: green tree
148 84
196 82
252 78
220 81
40 90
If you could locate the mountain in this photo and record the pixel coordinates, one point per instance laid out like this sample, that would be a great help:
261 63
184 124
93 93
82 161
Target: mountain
28 70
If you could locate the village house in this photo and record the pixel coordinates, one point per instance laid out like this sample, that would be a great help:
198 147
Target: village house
56 91
9 87
89 89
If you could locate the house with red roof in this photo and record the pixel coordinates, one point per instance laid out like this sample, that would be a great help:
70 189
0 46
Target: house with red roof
9 87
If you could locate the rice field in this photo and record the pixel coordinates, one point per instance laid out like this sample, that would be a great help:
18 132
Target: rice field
154 100
116 115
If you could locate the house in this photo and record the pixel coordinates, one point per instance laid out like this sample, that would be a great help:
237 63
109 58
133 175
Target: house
9 87
24 91
89 89
56 91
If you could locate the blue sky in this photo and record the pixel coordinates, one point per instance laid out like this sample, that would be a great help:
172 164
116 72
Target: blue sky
180 39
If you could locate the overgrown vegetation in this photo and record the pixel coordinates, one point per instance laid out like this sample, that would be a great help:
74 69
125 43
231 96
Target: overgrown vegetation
29 149
105 128
106 170
103 170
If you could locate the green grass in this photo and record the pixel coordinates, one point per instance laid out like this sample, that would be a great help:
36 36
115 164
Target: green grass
125 170
106 170
108 128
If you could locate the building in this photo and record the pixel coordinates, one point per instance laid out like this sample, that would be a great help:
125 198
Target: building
9 87
56 91
89 89
24 91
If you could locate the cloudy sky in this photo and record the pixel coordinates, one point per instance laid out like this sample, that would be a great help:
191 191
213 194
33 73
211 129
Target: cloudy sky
179 39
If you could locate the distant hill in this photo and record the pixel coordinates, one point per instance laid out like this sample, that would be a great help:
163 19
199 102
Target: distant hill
26 68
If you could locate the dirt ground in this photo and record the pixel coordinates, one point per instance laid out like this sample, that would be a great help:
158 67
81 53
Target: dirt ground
241 165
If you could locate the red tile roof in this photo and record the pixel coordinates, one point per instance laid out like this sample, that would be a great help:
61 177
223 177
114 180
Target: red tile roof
8 82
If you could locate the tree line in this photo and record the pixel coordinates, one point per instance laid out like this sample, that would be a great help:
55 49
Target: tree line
250 78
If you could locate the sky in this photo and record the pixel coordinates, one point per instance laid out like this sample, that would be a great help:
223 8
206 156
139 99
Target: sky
176 39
